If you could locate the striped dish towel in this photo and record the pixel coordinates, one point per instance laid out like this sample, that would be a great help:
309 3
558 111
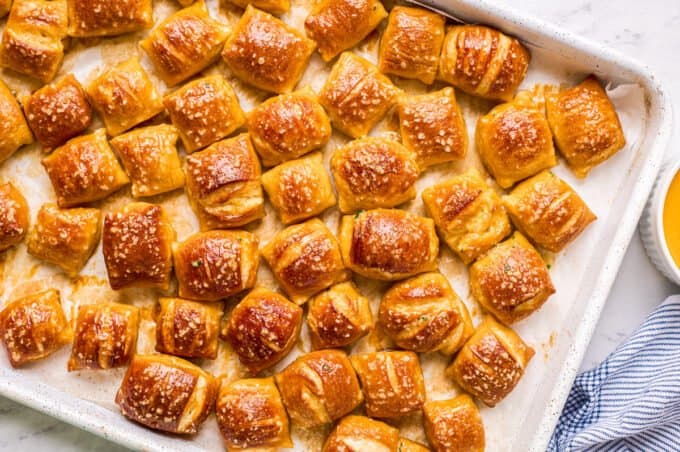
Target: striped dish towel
630 402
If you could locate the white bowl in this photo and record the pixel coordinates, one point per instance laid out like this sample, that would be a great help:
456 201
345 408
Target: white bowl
651 225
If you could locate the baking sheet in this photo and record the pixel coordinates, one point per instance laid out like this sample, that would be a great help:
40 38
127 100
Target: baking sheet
550 331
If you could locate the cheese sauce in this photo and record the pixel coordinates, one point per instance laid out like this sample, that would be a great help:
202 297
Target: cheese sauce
671 219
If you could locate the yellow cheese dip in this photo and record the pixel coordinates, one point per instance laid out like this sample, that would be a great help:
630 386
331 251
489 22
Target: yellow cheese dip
671 219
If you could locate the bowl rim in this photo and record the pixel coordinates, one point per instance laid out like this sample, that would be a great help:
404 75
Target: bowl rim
667 177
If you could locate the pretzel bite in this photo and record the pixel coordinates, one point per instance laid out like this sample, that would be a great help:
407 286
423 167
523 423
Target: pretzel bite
263 328
288 126
411 43
124 96
214 265
33 327
137 246
166 393
305 259
548 211
13 216
468 213
299 189
491 363
32 40
185 43
433 127
514 141
338 316
250 414
90 18
360 433
373 172
65 237
267 53
58 112
319 387
388 244
149 155
454 424
105 336
511 280
223 184
483 62
337 25
204 111
424 314
14 131
84 170
357 96
187 328
585 124
392 382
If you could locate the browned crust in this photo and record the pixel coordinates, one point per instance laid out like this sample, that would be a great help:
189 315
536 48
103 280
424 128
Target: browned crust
392 383
185 43
204 111
216 264
288 126
454 424
468 213
105 336
388 244
263 328
137 246
13 216
483 61
355 433
337 25
356 96
585 124
491 363
124 96
373 172
89 18
250 413
33 327
166 393
58 112
228 162
515 142
149 155
14 131
299 189
266 52
84 170
338 317
32 39
319 387
305 259
424 314
223 184
271 6
411 44
433 127
511 280
548 211
65 237
187 328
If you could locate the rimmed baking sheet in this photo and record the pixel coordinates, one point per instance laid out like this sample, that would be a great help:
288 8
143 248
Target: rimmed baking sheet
559 332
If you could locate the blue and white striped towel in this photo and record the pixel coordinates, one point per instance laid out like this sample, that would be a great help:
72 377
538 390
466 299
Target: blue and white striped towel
630 402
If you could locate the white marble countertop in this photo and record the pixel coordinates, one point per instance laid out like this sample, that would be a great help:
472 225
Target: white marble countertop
648 31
